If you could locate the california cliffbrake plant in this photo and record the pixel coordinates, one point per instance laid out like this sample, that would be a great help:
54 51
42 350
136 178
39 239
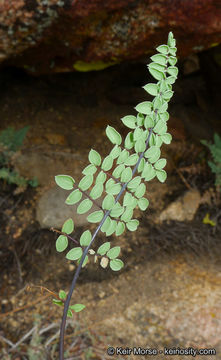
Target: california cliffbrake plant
115 176
215 150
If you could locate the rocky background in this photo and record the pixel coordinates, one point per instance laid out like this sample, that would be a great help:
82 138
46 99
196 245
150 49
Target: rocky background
47 36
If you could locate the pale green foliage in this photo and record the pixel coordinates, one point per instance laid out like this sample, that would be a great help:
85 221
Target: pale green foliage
11 141
62 296
65 182
215 150
125 169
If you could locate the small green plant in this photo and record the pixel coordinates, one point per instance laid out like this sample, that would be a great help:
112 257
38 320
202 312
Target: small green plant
10 142
120 177
215 150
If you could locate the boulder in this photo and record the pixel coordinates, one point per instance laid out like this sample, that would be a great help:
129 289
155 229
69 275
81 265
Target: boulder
184 208
44 36
52 210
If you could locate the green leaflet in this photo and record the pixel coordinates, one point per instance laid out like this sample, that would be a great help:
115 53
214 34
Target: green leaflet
117 210
94 157
140 191
77 307
68 226
118 170
129 121
95 217
152 140
110 183
163 86
84 206
149 122
154 158
140 119
148 172
140 146
172 51
134 182
62 294
113 189
74 254
108 202
57 302
113 135
86 182
158 141
127 199
143 204
164 116
85 238
166 138
172 60
129 142
73 197
132 224
115 152
172 70
156 66
160 164
152 89
163 107
126 175
152 151
101 178
127 215
106 224
161 175
69 313
138 133
120 228
111 228
170 80
90 170
61 243
107 163
97 191
141 165
159 59
158 75
65 182
85 261
167 95
116 264
122 157
157 102
131 160
171 41
145 107
114 252
163 49
103 248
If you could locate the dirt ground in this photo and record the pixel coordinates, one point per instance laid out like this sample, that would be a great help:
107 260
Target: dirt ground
68 113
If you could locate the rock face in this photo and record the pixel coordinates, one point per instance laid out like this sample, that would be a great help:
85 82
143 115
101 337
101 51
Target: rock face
52 210
44 36
184 208
162 304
